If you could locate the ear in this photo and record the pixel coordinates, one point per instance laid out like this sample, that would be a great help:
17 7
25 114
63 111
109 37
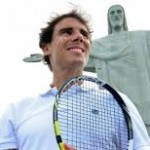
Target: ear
46 49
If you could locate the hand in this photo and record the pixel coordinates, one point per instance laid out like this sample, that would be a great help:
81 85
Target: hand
67 147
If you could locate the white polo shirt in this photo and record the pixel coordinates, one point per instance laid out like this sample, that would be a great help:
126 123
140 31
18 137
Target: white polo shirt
28 125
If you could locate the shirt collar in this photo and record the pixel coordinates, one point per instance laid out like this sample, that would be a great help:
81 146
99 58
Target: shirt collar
50 91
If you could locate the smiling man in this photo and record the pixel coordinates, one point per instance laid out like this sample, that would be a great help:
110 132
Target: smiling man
28 124
69 51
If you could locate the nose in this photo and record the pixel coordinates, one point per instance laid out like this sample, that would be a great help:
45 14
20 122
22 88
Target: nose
116 13
78 37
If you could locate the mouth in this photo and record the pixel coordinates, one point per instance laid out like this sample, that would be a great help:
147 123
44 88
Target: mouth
76 49
116 18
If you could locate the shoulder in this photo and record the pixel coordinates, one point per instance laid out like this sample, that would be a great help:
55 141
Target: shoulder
128 102
15 109
101 43
132 109
23 105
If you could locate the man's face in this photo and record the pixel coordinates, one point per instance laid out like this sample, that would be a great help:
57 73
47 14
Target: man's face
116 16
70 45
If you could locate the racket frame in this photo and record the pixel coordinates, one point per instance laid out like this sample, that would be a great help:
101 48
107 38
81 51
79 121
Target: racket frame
106 86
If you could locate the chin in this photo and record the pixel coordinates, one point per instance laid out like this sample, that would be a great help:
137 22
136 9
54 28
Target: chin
78 63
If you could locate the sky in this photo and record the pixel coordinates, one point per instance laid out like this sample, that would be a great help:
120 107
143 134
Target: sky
20 24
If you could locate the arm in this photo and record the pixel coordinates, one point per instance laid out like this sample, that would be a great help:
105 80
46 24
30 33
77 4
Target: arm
148 41
7 134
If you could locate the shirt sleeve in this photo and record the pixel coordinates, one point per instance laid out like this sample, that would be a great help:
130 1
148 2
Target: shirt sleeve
7 131
141 140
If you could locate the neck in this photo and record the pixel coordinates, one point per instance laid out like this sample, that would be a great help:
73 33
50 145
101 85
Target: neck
117 29
59 78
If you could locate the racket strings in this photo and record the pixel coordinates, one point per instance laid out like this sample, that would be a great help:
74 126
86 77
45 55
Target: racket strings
91 119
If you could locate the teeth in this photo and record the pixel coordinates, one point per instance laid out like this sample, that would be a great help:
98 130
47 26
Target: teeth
76 50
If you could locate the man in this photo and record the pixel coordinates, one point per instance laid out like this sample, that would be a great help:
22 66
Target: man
123 60
28 124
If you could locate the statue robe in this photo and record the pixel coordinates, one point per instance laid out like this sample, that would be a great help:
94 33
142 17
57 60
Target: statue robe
123 60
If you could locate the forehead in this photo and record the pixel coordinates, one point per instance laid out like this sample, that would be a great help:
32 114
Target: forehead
116 7
71 23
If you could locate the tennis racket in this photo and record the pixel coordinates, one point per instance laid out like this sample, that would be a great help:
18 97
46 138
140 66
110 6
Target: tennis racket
89 114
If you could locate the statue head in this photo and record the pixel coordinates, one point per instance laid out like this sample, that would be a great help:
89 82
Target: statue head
116 19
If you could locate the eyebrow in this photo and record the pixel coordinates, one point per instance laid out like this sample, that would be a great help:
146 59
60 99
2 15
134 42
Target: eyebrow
64 29
70 28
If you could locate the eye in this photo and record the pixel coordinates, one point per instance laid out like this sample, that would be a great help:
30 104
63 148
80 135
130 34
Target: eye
67 31
119 11
85 34
112 12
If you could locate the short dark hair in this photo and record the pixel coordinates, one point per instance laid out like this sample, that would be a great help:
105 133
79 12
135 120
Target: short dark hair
47 32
